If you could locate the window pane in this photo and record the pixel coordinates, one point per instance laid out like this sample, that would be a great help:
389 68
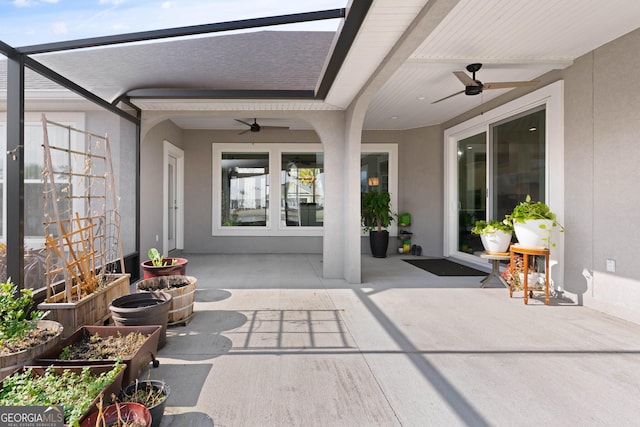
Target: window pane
518 161
472 184
245 189
302 195
374 172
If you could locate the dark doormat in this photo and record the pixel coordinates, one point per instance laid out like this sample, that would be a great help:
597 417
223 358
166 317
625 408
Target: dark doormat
444 267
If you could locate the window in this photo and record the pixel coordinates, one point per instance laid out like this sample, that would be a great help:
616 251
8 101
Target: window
302 190
248 200
33 167
244 189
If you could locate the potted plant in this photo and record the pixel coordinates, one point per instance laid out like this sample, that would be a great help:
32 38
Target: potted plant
23 333
533 223
152 394
377 216
158 265
495 235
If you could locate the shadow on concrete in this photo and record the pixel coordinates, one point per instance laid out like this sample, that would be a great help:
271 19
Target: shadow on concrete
185 380
211 295
187 419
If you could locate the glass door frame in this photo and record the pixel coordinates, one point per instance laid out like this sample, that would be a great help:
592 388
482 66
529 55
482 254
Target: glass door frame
551 97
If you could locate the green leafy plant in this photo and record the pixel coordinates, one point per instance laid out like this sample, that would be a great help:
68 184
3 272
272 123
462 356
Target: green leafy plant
15 317
376 210
483 227
74 391
531 210
157 260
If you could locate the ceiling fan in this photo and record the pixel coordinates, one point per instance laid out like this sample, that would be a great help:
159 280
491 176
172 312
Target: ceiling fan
255 127
474 87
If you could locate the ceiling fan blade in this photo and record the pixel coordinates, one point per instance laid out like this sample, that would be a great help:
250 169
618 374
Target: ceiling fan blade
504 85
274 127
243 122
465 79
447 97
244 131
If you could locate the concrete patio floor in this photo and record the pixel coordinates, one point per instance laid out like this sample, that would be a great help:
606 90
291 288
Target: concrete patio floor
274 344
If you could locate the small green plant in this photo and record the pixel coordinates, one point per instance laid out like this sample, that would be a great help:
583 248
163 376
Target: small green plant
15 318
157 260
484 227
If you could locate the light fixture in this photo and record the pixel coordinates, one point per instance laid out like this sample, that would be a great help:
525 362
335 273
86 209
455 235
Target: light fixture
373 181
533 129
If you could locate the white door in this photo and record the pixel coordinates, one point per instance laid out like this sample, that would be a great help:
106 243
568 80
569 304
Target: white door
173 215
172 202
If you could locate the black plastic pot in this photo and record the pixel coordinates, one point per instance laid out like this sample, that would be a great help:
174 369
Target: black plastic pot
157 411
146 308
379 242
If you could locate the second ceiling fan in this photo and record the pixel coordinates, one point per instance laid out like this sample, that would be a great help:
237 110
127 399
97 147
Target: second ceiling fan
472 86
255 127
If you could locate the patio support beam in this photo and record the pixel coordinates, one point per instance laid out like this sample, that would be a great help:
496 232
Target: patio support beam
14 184
184 31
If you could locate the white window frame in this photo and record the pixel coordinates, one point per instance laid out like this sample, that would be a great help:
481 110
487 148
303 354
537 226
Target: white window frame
551 97
275 150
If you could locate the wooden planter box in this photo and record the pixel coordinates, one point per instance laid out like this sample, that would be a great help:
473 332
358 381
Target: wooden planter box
134 364
12 361
90 310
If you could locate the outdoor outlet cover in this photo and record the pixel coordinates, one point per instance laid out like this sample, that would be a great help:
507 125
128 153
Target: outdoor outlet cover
611 265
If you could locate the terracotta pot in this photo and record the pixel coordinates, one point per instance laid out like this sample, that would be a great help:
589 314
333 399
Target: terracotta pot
171 269
123 412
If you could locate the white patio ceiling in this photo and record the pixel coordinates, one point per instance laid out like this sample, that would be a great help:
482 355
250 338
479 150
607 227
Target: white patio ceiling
514 39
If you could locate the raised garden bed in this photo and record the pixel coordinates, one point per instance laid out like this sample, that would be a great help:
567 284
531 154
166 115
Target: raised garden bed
136 346
92 309
76 388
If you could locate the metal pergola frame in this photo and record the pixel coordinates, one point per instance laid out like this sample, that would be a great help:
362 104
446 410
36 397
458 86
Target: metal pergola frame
19 58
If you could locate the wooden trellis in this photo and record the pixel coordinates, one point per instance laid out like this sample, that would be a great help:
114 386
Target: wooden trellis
82 226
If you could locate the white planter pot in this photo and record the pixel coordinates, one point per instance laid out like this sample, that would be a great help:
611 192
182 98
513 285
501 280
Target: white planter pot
533 233
496 242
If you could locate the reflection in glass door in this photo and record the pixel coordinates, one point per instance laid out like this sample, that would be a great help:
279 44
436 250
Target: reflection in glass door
472 189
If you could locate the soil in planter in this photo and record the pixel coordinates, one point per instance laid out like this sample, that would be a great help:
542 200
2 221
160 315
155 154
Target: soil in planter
32 338
95 347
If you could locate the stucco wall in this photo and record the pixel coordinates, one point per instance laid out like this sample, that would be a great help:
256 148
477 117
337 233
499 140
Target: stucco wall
602 134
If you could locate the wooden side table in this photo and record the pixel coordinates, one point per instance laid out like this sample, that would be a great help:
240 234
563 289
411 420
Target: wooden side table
495 259
526 253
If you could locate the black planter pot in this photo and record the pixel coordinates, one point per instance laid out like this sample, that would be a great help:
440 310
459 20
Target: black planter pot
145 308
157 411
379 241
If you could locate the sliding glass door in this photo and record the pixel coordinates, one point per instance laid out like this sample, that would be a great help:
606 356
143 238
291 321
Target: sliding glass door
497 169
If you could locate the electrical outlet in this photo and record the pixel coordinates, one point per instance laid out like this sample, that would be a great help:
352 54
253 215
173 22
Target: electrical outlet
611 265
157 237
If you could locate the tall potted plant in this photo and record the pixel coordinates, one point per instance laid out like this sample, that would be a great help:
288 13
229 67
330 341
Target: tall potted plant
533 223
377 216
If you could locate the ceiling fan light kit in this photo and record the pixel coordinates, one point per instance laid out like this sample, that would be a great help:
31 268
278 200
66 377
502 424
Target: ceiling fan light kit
473 86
